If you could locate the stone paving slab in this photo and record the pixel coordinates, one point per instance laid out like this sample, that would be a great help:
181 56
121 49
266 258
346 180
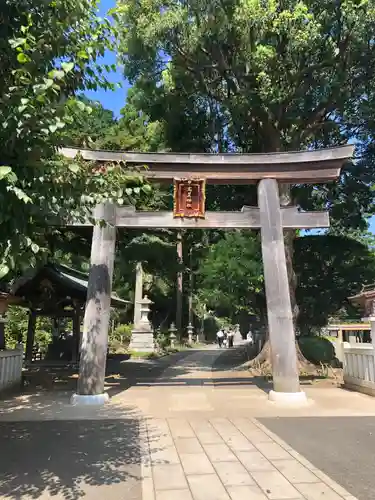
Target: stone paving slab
342 447
223 459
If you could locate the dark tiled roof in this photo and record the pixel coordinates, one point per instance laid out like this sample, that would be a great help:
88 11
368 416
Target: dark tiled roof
68 283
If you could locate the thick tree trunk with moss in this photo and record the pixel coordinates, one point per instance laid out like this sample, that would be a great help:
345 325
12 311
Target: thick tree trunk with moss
289 237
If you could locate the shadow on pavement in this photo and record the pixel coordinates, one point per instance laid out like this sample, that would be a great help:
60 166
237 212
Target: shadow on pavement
70 459
212 367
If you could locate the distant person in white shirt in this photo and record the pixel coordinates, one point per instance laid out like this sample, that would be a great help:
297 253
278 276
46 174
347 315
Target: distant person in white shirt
249 337
220 337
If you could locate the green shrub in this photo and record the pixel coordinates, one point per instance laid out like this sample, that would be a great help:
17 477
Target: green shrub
163 340
42 339
122 333
317 349
328 337
116 347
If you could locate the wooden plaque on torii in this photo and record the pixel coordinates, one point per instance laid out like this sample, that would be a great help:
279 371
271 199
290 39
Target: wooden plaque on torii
189 198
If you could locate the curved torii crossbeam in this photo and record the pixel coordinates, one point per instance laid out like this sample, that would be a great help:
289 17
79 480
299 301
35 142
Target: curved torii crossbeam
295 168
267 170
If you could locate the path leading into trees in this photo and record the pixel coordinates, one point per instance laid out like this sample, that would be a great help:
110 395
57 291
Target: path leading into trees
190 426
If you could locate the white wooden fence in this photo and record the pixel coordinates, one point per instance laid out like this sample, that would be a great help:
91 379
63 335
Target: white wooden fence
359 367
10 368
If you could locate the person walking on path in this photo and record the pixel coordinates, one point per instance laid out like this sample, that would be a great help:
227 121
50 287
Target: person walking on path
230 336
225 341
220 337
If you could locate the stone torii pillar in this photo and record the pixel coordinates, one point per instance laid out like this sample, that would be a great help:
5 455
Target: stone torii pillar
279 310
97 314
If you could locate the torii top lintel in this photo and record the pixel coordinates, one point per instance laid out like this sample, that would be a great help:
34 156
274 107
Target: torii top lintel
308 167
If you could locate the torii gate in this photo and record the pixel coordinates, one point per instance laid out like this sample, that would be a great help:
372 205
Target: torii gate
189 173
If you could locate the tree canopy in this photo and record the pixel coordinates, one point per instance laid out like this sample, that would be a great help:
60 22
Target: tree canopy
207 76
50 53
260 76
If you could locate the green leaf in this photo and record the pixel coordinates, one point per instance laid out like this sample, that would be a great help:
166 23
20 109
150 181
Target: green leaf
23 58
48 82
56 73
146 188
74 167
67 66
16 42
4 270
82 54
59 123
81 105
4 171
21 195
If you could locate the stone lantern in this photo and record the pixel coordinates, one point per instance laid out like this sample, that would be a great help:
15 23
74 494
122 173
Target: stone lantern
172 334
142 334
190 332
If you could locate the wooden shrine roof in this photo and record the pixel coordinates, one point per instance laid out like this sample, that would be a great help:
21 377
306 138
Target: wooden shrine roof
315 166
367 293
55 286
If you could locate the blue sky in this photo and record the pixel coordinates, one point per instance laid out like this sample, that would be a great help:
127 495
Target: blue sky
111 100
115 100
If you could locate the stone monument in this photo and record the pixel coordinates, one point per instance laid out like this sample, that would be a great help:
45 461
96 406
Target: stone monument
142 334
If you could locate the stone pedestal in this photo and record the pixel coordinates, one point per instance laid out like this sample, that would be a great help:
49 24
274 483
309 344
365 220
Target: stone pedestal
142 334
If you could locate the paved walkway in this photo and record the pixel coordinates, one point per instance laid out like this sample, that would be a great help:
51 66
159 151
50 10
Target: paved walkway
186 428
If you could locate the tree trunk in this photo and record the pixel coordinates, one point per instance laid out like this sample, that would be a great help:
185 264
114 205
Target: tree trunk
2 334
262 364
289 237
179 284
